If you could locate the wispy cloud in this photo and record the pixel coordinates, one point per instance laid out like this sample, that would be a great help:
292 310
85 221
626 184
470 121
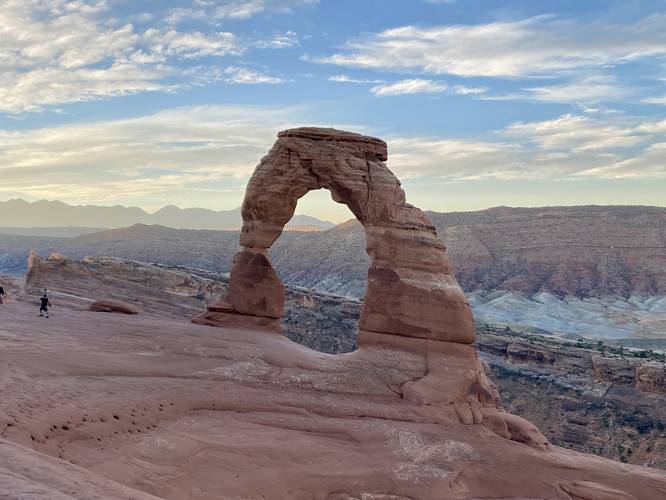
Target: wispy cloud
195 153
585 89
348 79
215 10
589 89
655 100
235 74
185 153
190 45
579 133
465 90
650 163
410 86
279 41
56 52
535 46
417 86
568 147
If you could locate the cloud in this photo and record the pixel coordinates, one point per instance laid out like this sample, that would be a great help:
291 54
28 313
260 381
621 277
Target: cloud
411 86
29 91
348 79
215 10
569 147
55 52
589 89
238 75
182 154
419 157
464 90
650 163
206 153
655 100
415 86
191 45
578 133
280 41
535 46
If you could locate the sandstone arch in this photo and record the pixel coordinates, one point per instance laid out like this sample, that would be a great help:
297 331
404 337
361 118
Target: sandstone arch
411 289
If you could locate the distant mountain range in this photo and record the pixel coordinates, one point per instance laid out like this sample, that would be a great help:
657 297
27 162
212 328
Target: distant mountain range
586 251
46 214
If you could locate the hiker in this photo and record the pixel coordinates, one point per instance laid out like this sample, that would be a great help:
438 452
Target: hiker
44 304
2 294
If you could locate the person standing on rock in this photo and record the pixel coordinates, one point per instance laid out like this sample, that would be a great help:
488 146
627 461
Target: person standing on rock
2 294
44 304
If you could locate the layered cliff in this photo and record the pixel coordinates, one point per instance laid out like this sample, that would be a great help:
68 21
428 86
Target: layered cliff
528 250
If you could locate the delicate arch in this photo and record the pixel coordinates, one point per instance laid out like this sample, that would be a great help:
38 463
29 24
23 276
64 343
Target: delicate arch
411 290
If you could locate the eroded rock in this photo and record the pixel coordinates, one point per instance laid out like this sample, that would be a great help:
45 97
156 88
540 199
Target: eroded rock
587 490
651 377
411 289
113 306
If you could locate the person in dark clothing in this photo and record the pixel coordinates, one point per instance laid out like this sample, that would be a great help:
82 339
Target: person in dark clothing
2 294
44 305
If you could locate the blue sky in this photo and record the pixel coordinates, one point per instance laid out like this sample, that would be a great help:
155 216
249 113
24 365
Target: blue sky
483 103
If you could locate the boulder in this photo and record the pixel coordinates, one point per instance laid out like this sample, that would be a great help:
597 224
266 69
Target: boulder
113 306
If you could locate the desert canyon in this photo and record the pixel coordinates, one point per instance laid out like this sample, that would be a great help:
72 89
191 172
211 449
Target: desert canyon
134 390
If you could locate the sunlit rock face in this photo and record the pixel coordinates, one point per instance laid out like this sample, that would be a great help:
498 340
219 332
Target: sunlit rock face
411 289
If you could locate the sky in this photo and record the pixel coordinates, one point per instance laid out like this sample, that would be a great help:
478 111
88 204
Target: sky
482 102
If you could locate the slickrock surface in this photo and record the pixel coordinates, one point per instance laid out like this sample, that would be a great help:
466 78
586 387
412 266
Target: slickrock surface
183 411
580 397
411 288
323 322
29 475
152 289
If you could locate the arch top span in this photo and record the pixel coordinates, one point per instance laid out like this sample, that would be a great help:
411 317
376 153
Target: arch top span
411 289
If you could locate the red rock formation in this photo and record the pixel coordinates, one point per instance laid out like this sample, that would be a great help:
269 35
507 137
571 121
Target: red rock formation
413 302
113 306
183 411
651 377
411 289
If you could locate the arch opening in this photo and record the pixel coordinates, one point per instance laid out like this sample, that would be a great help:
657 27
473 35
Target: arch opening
323 298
